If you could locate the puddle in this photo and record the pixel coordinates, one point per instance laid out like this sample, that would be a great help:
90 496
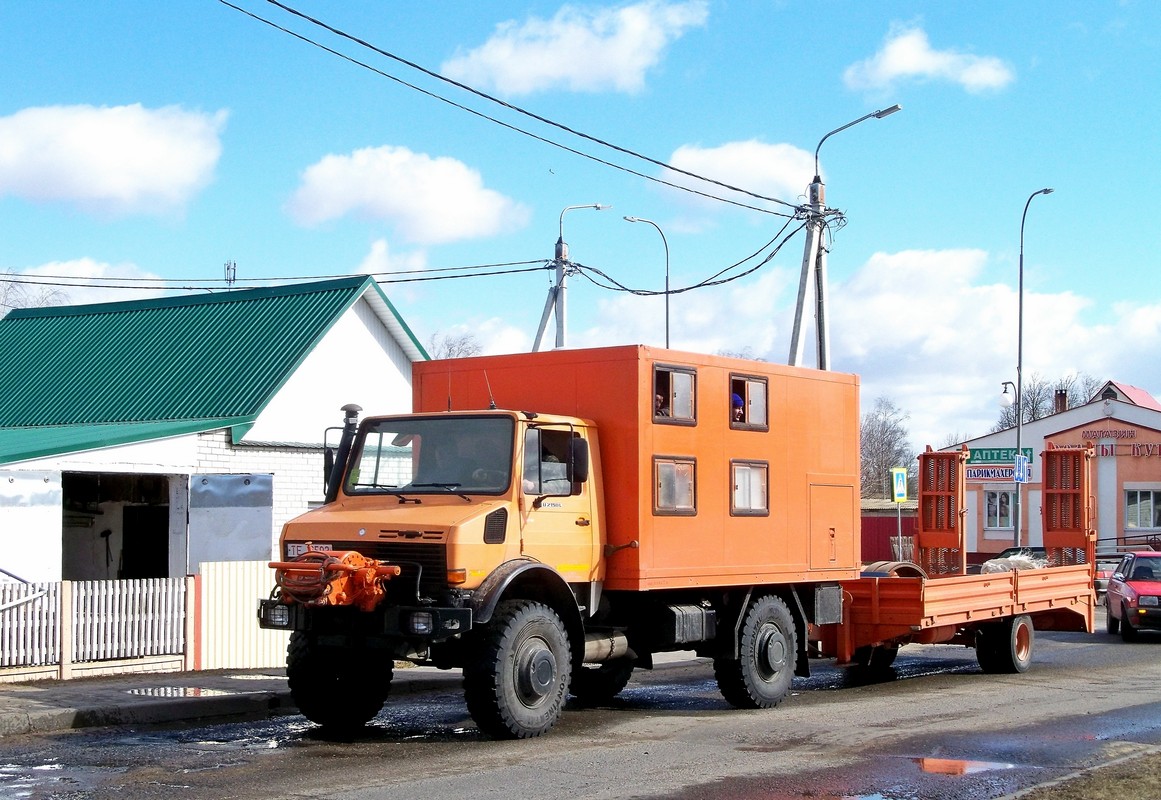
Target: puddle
958 766
181 691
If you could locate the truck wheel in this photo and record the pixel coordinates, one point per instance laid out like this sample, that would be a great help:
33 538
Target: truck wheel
1112 624
517 679
1006 646
761 676
593 684
876 658
334 687
1128 632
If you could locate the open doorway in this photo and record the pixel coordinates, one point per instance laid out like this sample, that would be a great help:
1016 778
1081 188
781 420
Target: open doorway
114 526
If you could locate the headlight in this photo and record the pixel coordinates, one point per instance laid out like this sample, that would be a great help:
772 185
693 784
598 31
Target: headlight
1148 600
421 622
278 616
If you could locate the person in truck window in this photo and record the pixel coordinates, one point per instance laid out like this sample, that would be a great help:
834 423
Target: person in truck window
660 409
737 408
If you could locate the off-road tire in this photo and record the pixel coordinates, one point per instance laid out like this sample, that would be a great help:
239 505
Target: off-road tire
594 684
760 676
338 688
518 673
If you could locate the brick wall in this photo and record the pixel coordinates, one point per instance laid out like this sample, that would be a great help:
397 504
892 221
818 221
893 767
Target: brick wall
297 470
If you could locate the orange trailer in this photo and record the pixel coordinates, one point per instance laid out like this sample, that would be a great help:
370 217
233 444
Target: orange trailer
933 601
549 521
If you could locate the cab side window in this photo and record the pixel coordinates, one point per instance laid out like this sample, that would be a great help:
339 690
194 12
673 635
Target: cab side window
545 470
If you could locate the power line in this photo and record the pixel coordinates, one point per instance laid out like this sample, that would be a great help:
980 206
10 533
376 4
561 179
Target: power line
504 104
166 284
612 284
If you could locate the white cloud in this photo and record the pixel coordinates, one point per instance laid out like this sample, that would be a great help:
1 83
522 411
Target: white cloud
111 160
382 262
774 170
60 283
579 49
907 55
428 200
922 328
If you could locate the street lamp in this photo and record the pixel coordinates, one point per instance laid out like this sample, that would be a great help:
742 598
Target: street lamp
814 257
664 242
555 301
1019 387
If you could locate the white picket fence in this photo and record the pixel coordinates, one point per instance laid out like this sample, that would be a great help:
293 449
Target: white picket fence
73 628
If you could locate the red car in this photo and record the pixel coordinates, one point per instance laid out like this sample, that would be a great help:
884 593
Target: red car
1133 599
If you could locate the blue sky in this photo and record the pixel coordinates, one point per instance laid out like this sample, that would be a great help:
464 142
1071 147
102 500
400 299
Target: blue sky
159 140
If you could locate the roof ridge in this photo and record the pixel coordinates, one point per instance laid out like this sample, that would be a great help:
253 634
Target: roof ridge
204 297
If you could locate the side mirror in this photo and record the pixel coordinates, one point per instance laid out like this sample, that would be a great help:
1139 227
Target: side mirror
578 460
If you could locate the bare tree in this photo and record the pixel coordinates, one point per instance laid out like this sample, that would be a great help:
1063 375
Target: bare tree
18 293
453 345
1038 399
883 443
745 352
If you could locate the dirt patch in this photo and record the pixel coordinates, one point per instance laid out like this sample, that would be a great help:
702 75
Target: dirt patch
1134 779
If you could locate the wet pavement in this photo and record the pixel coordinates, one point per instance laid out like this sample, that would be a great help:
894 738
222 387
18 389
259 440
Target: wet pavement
151 698
991 764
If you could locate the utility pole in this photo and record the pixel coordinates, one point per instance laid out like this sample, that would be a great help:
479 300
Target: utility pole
814 258
564 268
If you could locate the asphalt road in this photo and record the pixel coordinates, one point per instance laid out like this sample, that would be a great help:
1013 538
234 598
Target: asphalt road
938 728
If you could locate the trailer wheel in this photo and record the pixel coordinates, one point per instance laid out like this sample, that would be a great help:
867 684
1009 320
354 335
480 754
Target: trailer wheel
761 676
876 658
1006 647
593 684
1128 632
1112 624
337 688
517 679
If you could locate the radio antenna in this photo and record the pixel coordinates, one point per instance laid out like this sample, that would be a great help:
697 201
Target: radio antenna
491 400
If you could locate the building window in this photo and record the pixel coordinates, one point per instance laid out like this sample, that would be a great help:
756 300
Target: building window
675 395
675 485
750 482
1142 509
748 403
999 506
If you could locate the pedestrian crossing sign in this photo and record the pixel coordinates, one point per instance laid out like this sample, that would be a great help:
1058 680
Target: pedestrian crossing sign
899 483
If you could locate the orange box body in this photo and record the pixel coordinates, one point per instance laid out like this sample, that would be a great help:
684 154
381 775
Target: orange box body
807 448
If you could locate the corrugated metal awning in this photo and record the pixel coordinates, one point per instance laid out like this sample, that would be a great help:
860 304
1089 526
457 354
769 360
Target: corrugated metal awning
25 444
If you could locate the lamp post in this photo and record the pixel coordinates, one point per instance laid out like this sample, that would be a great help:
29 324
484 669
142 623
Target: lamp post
814 257
1006 400
1019 386
555 301
666 244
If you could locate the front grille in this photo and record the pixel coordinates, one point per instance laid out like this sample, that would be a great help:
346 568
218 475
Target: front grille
422 563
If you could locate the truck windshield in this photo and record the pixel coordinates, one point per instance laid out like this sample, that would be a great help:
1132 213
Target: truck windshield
432 455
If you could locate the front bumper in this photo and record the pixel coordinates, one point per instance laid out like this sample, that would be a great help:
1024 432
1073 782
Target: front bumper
415 623
1144 618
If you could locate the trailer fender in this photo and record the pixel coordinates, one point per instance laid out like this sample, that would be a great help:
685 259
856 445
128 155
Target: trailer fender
531 580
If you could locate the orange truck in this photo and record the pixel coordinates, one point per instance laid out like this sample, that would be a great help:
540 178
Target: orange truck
547 522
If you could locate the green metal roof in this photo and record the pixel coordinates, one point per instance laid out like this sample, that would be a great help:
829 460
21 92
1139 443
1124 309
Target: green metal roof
78 377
